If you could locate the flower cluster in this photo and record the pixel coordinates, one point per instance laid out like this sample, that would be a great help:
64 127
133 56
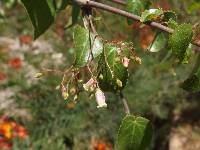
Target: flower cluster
9 130
92 86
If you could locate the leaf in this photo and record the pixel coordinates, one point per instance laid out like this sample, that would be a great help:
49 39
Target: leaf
41 14
180 40
112 71
87 45
192 84
136 7
187 54
62 4
170 15
172 24
151 15
75 13
135 133
158 43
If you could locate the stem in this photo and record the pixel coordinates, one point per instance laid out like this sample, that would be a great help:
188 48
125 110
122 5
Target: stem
124 101
89 3
121 2
127 14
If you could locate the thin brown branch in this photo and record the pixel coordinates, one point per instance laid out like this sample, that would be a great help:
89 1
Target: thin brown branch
121 2
124 101
123 13
126 14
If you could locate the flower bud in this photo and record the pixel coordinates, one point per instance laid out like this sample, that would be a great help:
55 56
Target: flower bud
100 98
90 85
125 61
65 95
138 60
119 83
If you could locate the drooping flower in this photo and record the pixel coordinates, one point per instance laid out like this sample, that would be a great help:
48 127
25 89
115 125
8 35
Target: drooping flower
90 85
125 61
100 98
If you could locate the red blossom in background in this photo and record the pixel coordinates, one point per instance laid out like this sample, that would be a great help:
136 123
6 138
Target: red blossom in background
25 39
164 4
9 130
146 34
4 144
15 63
103 146
2 76
59 30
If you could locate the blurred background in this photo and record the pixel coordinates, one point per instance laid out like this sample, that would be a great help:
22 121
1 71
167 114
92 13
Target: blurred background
34 116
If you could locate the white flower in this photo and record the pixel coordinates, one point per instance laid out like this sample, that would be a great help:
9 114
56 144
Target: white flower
125 61
100 98
90 85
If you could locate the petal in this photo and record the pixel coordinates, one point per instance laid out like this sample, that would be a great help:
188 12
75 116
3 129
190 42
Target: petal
100 98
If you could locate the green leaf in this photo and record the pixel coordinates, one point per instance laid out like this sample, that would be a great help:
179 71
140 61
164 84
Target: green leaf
180 40
187 54
170 15
192 84
136 7
151 15
62 4
158 43
75 13
87 45
113 74
41 14
172 23
135 133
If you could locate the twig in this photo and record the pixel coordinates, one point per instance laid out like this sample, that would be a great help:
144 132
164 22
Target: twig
127 14
124 101
123 13
121 2
45 70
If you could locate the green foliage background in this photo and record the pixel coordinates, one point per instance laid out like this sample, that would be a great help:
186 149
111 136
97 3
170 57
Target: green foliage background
152 90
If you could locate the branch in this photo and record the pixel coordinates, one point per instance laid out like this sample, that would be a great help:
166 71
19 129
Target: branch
121 2
123 13
124 101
